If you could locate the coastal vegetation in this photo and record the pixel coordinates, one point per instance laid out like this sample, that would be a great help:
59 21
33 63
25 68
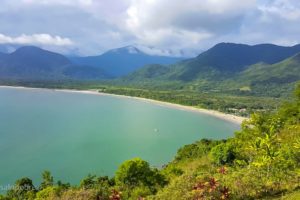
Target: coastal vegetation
226 103
260 162
240 105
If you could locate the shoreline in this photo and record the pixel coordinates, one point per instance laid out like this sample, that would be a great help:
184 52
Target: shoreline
227 117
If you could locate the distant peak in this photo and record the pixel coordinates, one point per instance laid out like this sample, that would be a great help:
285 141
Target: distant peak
228 44
28 49
33 52
127 49
132 49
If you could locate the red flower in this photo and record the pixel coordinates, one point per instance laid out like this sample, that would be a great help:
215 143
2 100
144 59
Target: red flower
225 193
199 186
213 184
223 170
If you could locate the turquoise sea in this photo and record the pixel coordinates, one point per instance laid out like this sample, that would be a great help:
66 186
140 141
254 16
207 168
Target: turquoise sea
74 134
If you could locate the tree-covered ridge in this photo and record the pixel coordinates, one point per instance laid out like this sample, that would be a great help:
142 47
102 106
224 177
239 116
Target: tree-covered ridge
228 68
262 161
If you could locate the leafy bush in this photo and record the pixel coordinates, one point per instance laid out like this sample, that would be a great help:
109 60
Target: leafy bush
23 189
223 154
137 172
195 150
47 193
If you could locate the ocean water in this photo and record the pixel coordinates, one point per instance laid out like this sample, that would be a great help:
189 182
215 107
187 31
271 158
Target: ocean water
74 134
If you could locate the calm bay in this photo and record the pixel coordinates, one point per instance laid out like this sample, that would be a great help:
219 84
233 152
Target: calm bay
74 134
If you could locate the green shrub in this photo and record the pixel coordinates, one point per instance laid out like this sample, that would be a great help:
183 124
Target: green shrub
195 150
47 193
23 189
137 172
223 154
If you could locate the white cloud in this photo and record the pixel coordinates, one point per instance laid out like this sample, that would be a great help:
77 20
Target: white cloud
95 26
182 52
38 39
192 14
273 21
184 24
172 38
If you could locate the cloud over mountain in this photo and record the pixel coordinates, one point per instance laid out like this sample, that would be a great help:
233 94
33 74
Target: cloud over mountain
44 39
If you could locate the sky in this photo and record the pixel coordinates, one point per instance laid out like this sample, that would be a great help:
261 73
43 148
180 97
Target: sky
163 27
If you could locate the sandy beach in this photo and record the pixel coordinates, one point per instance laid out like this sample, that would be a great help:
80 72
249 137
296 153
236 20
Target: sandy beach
223 116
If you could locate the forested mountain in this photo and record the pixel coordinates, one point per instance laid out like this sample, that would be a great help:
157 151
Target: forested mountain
234 57
227 66
32 63
122 61
228 58
284 72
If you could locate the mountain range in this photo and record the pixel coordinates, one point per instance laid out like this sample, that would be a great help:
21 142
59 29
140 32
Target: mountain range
122 61
225 67
31 63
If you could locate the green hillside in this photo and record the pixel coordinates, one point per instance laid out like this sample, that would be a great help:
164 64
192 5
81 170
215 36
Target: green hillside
263 70
259 78
286 71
